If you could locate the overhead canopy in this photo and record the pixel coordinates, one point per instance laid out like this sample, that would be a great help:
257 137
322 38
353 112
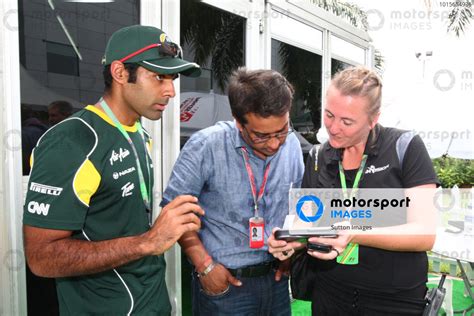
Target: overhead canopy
201 110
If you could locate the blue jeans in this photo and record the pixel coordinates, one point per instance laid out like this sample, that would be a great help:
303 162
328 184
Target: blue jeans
257 296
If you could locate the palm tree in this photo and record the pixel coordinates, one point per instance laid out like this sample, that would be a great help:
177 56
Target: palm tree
213 33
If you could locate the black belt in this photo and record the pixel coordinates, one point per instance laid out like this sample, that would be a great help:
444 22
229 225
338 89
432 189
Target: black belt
254 271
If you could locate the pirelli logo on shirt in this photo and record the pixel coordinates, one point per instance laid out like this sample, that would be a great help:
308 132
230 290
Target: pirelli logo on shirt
45 189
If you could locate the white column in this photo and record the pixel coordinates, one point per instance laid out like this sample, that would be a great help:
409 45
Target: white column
255 29
12 263
165 14
169 153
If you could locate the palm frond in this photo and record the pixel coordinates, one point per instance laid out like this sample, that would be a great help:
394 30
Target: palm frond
459 20
379 62
352 13
228 50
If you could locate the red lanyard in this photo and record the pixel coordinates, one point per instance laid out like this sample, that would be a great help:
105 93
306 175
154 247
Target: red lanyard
253 185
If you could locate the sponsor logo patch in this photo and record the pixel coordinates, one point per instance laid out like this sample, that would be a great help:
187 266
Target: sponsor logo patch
127 189
38 208
45 189
373 169
122 154
117 175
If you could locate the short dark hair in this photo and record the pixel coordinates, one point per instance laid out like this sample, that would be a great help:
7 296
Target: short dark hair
64 107
263 92
132 78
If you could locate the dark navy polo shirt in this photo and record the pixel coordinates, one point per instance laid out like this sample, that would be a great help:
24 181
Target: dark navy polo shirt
378 269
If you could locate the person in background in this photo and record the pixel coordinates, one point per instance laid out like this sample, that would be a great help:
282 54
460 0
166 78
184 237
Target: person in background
58 111
31 130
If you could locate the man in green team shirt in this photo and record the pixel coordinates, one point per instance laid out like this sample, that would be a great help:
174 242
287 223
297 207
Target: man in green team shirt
87 214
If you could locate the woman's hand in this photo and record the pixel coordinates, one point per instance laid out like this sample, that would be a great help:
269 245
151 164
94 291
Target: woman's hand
338 244
281 249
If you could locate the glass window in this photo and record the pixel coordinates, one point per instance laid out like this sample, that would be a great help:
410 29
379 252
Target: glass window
61 59
303 70
347 50
294 32
215 40
338 65
61 47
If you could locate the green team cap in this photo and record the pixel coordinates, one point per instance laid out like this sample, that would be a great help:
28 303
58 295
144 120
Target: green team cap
151 48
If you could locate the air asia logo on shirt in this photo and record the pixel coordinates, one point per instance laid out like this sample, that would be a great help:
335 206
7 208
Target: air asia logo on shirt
373 169
45 189
38 208
122 154
127 189
117 175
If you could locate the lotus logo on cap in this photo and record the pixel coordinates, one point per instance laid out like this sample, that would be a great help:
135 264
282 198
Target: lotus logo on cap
163 38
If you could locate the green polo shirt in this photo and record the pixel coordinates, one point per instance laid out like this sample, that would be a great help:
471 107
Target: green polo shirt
84 179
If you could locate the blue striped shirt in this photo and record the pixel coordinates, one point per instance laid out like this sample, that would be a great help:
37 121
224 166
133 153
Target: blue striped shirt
211 167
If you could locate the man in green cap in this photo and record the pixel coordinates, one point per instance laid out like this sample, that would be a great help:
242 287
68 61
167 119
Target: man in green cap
88 209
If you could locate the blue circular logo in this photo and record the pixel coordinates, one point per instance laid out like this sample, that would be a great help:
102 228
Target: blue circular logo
316 201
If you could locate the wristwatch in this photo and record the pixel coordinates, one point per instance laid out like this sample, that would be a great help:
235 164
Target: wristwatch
207 270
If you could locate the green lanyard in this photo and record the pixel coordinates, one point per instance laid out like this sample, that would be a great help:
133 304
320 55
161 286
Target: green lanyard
357 178
143 188
350 255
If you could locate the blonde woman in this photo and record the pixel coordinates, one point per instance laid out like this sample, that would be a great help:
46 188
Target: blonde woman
391 274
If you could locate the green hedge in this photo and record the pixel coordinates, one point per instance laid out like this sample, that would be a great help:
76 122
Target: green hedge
453 171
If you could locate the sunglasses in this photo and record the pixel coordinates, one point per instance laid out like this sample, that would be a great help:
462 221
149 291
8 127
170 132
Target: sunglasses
165 49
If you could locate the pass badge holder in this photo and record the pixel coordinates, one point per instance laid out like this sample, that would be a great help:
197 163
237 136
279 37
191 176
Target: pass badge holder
256 223
256 233
350 255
